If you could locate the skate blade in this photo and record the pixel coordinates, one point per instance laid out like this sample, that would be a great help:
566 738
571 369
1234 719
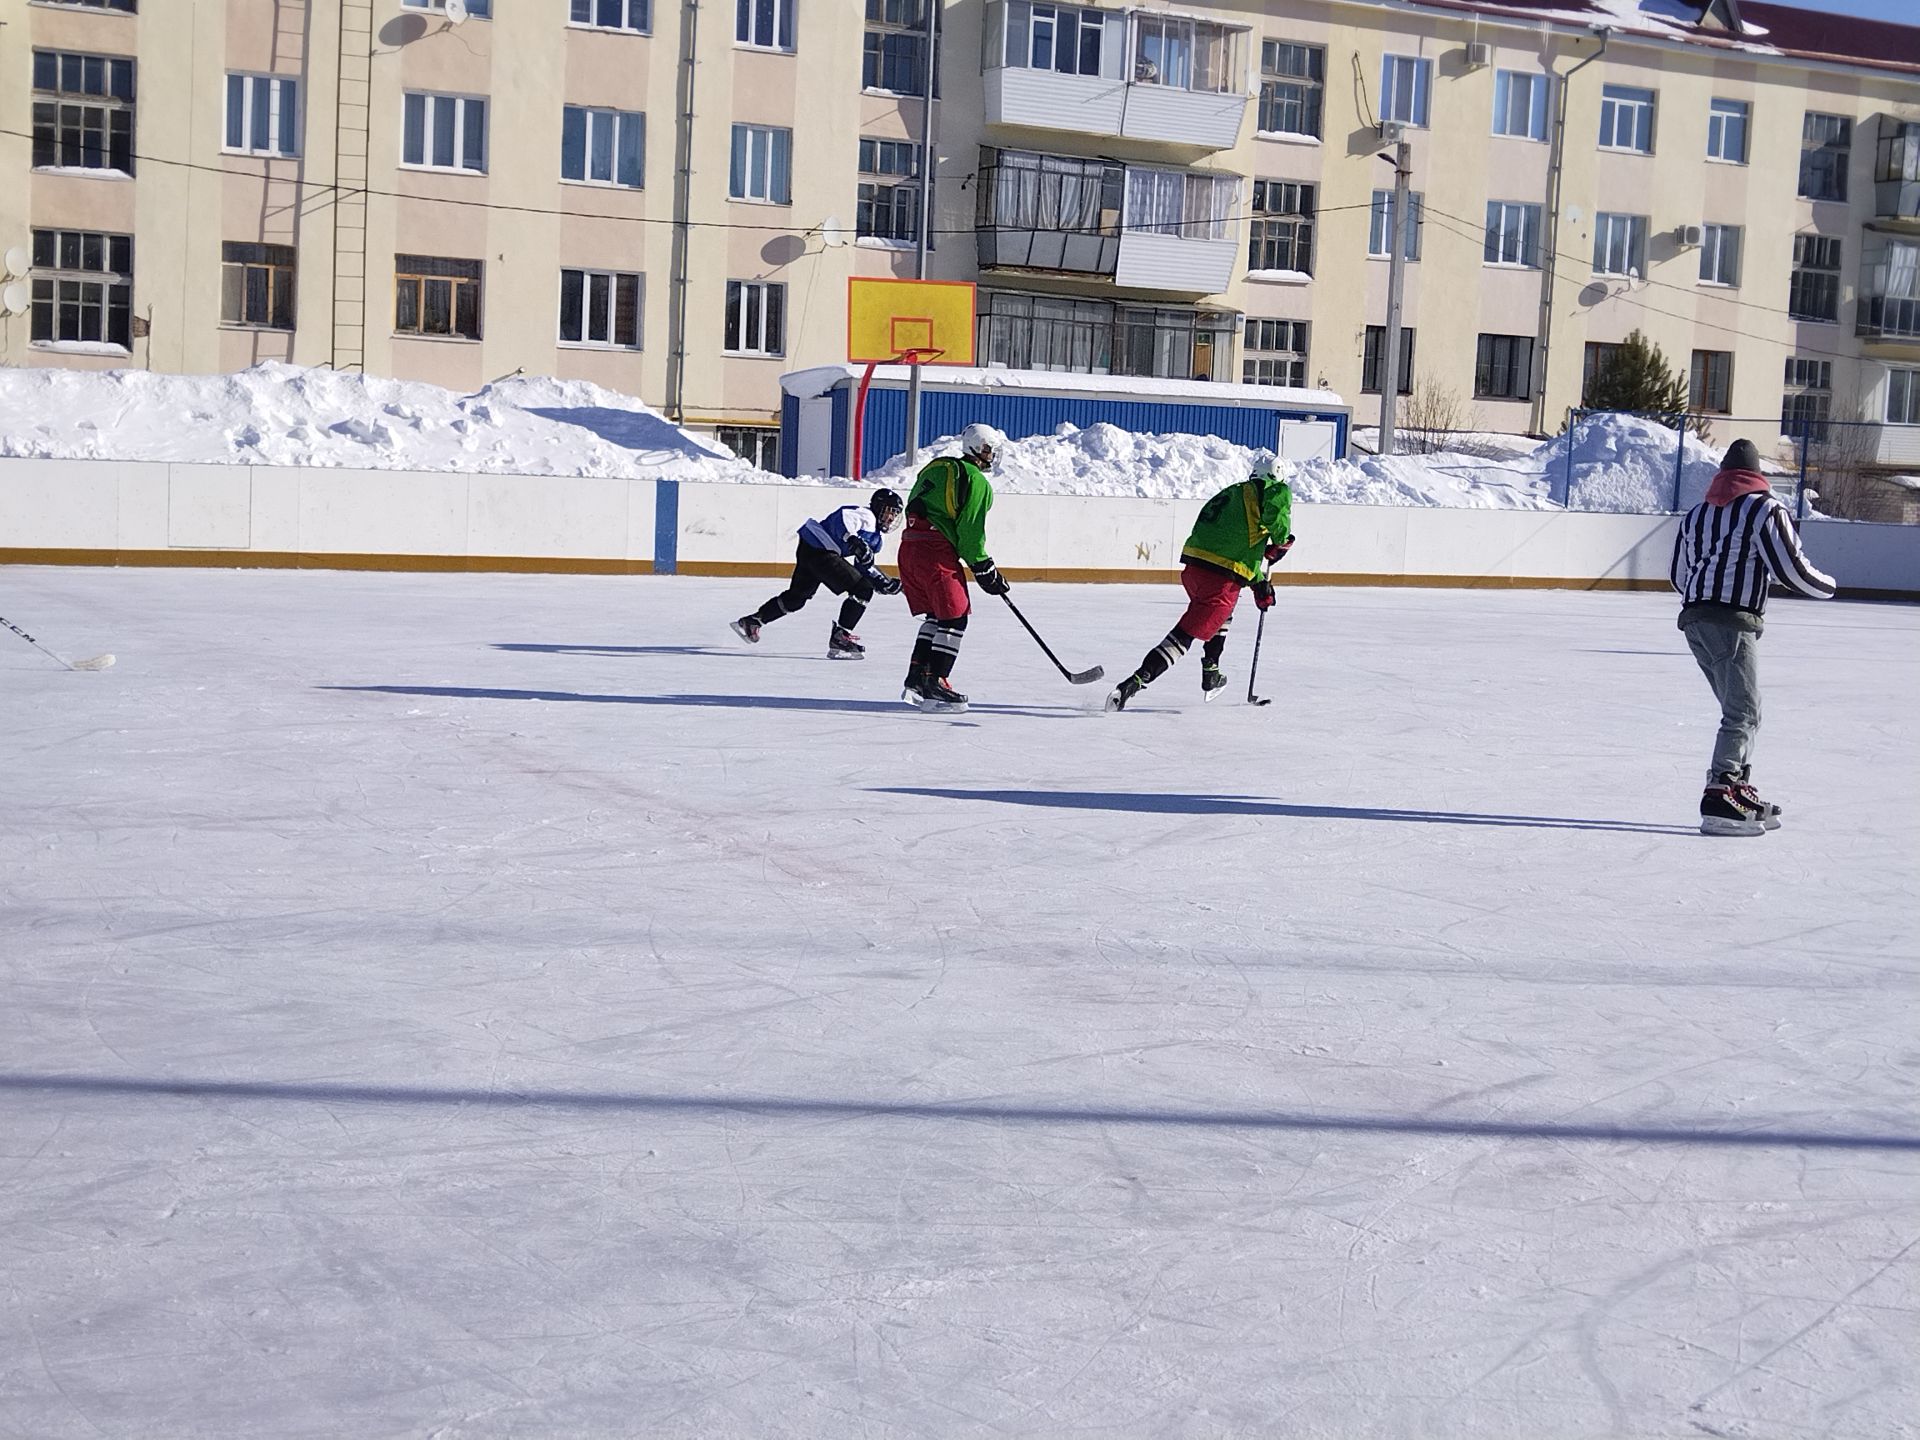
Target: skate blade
845 655
741 631
940 707
1717 825
1207 697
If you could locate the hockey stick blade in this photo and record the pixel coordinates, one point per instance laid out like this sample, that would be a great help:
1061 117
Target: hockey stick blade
96 662
1087 677
1263 700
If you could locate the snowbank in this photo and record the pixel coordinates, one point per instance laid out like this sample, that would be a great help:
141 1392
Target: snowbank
1626 463
276 414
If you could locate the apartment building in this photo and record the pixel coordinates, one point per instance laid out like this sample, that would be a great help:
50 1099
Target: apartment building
668 196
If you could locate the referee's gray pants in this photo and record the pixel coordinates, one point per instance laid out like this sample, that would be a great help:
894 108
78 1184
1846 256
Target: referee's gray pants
1725 642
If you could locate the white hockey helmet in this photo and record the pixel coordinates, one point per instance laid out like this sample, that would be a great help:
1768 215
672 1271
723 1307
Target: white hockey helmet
1264 464
980 439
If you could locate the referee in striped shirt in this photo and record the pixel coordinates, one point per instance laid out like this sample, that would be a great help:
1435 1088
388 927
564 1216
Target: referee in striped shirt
1732 545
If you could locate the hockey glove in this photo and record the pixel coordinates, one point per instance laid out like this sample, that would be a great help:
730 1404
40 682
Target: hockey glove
1263 594
990 579
858 555
885 584
1278 552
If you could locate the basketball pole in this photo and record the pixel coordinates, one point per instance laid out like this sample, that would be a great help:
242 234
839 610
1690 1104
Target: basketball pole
929 61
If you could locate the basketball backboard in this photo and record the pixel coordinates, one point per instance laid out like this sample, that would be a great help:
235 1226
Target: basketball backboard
889 320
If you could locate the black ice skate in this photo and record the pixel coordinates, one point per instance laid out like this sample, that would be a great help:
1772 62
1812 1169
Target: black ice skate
1768 812
937 697
1212 681
1724 812
843 644
1123 692
747 627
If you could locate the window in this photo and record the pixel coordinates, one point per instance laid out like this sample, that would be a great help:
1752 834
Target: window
1903 397
1292 79
1371 350
1712 384
1404 81
482 8
762 165
1889 288
1619 244
1281 233
600 307
82 112
1504 368
127 6
756 318
895 57
764 24
1520 104
1626 119
432 296
1056 332
1720 254
759 445
263 114
1599 358
1826 144
1186 54
1898 158
1276 353
889 203
444 132
1063 38
1814 291
1727 131
1808 399
82 288
613 14
603 147
1180 203
256 285
1513 233
1383 222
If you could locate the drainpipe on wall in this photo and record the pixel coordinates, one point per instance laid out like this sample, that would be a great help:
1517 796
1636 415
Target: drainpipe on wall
929 39
1550 240
682 201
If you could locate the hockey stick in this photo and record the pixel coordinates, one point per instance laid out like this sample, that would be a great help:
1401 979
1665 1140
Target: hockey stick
97 662
1074 677
1253 666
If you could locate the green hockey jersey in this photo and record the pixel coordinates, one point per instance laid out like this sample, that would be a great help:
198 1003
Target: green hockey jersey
1236 526
952 495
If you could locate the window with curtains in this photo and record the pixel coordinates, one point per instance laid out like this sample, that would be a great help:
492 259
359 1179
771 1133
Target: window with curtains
600 308
1382 225
1292 86
1711 388
1280 236
762 164
1626 119
612 14
256 285
1890 288
1813 291
1025 331
1513 233
82 288
82 112
1022 190
263 115
1186 54
888 205
756 321
603 147
1180 203
1373 347
1503 368
764 24
1404 84
1276 353
1826 146
437 296
443 132
1520 104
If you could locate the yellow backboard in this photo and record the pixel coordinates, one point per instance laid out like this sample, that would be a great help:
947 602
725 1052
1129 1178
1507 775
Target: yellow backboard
889 320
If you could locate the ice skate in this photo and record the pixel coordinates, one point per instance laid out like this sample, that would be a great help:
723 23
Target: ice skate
1122 693
1767 810
1212 681
843 644
747 627
1724 812
937 697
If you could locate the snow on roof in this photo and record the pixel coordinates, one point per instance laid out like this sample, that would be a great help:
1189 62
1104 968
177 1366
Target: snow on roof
806 384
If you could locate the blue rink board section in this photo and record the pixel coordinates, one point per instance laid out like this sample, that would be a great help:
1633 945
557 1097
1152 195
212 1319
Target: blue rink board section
666 527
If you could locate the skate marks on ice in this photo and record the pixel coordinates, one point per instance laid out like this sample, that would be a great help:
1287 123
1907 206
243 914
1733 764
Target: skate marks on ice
725 702
1251 806
614 652
1753 1136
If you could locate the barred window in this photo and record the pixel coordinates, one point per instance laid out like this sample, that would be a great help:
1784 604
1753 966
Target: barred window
1281 233
1813 292
1292 83
1276 353
82 112
82 288
436 296
256 285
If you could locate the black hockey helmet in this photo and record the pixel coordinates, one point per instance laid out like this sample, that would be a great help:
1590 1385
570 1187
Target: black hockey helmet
887 507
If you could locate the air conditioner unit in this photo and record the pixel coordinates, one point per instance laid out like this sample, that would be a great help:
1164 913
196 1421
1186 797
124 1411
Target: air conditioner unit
1479 54
1392 132
1687 234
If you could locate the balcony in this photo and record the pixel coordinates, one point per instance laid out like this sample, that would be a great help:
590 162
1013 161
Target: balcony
1896 173
1139 226
1171 79
1887 315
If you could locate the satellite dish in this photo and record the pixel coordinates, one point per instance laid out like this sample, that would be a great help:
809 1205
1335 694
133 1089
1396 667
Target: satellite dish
832 232
456 11
16 299
17 262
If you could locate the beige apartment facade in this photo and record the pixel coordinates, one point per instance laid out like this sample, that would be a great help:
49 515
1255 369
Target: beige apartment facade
668 197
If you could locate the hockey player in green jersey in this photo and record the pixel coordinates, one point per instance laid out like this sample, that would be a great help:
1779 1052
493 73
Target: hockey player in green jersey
946 525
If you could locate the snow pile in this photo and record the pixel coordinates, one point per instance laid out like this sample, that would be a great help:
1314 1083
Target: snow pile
1625 463
277 414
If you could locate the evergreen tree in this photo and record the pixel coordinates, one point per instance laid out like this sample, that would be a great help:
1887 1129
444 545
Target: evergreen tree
1637 377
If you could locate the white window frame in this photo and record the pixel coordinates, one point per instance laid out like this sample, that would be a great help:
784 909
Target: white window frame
755 344
1903 396
760 169
1617 235
627 24
595 118
1720 247
1406 89
1636 106
1538 90
479 9
782 23
1726 120
1027 20
609 303
283 109
1513 234
429 103
1180 204
1381 217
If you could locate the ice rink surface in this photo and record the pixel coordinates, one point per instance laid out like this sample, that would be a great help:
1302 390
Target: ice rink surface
506 1006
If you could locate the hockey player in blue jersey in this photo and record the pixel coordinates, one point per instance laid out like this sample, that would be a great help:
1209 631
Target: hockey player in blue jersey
842 552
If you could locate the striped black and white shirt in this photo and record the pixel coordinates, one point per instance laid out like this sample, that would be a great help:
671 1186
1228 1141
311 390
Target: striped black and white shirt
1728 553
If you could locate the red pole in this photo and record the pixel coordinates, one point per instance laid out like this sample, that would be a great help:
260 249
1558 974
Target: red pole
860 418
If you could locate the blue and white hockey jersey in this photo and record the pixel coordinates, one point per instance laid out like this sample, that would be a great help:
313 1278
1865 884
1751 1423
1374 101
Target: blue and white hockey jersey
838 532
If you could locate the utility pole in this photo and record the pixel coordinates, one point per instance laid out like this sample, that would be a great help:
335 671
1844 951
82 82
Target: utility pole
1550 231
677 279
927 67
1399 226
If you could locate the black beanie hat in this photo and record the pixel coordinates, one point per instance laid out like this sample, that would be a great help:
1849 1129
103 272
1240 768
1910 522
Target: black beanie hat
1741 455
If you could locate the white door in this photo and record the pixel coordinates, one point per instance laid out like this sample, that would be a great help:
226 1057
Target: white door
1306 440
813 451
